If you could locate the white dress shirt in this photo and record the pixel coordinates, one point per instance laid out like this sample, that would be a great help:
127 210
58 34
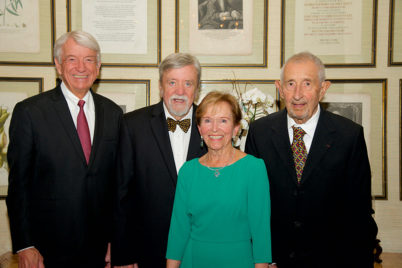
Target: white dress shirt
308 127
179 140
89 108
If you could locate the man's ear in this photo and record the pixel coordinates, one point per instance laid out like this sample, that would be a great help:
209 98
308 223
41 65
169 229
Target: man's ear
58 66
324 87
279 87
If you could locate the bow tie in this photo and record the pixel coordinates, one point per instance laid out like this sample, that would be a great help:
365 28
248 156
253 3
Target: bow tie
183 124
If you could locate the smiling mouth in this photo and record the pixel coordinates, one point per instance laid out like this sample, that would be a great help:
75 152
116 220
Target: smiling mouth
215 137
80 76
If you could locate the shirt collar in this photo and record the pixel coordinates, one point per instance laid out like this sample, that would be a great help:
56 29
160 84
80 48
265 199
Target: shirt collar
308 127
71 97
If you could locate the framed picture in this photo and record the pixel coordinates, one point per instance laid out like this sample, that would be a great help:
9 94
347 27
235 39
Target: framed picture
231 33
31 20
400 139
341 33
364 101
240 86
12 91
128 94
395 33
128 31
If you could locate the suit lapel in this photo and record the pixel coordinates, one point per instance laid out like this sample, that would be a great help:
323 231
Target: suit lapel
323 139
194 148
282 144
160 132
99 122
63 112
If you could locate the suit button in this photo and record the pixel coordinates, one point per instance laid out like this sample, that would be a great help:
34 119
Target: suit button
297 224
295 193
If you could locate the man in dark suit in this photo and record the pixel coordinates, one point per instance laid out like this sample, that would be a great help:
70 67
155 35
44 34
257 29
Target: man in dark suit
62 161
319 175
152 149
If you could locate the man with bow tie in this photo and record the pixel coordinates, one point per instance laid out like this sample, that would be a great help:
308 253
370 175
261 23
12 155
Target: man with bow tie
319 175
155 142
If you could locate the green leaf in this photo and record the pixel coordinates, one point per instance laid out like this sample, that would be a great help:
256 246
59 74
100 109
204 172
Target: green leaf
12 12
20 3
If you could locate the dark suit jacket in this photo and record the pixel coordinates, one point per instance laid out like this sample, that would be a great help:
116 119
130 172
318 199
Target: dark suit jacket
326 220
146 184
56 202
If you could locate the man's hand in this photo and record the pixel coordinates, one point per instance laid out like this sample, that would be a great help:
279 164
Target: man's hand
107 257
30 258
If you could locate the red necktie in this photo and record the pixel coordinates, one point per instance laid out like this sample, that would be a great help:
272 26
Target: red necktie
83 131
299 151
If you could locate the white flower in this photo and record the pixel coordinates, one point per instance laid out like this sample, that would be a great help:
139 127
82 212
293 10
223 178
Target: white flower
254 96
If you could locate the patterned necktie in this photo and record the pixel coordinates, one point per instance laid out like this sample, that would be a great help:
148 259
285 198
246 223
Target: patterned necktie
83 131
183 124
299 151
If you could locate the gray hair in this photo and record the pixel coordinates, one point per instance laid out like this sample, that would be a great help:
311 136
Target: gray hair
81 38
180 60
306 56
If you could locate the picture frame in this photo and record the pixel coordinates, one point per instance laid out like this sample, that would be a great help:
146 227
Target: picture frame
265 86
400 139
129 94
12 91
395 34
150 57
240 44
42 32
365 102
340 37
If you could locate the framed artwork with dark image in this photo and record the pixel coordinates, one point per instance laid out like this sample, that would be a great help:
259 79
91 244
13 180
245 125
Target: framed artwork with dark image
223 33
364 101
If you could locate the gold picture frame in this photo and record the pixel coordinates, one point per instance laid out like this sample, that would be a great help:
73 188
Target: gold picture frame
151 58
12 91
129 94
325 37
365 102
254 33
395 34
44 57
265 86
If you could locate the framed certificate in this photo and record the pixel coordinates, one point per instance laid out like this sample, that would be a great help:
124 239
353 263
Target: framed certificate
341 33
128 31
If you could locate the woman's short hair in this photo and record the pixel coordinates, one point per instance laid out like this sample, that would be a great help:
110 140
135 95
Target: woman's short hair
81 38
214 98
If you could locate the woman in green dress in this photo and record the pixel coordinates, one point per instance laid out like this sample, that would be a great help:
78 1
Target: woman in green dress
221 212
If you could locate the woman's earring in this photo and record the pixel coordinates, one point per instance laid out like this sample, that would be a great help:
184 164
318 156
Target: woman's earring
202 143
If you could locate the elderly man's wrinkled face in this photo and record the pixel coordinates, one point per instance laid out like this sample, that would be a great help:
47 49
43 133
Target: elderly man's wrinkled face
178 87
78 67
301 89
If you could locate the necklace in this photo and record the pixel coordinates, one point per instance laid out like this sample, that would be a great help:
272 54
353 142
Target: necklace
217 170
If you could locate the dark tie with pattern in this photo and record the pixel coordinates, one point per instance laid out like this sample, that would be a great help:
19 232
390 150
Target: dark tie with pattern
183 124
83 131
299 151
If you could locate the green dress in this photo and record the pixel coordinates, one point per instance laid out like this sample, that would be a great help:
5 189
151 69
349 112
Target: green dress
221 221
